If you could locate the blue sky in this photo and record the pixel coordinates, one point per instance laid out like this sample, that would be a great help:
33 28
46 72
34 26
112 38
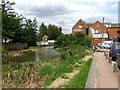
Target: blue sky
66 13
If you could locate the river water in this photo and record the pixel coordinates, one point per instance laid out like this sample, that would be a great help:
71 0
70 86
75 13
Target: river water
44 53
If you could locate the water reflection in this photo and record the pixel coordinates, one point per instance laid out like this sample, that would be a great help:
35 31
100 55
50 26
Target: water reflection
44 53
48 52
37 56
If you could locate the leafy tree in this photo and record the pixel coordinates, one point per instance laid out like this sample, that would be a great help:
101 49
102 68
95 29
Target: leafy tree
79 37
42 31
29 32
69 39
87 41
63 40
7 18
17 27
53 32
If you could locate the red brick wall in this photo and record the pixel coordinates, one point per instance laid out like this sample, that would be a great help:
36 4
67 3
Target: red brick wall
94 26
113 31
96 41
77 26
45 36
97 26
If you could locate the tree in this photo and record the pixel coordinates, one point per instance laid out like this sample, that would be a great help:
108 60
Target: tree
69 39
42 31
29 35
53 31
7 18
87 41
11 22
17 27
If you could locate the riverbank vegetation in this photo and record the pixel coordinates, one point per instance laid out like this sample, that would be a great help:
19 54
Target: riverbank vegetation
26 72
80 79
40 73
69 39
19 55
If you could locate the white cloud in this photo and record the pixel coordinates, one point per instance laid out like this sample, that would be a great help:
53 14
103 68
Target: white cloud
66 13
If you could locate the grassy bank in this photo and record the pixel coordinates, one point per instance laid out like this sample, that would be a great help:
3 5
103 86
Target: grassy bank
80 79
41 73
19 55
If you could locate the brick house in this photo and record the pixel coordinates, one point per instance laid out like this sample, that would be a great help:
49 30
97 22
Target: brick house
98 32
113 31
80 26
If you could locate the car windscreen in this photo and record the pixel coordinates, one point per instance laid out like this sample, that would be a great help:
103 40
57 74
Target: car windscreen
117 46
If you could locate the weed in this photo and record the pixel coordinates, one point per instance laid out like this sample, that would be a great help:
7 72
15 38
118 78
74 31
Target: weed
80 79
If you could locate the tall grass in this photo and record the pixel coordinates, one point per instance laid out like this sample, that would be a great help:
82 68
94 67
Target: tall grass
21 74
66 66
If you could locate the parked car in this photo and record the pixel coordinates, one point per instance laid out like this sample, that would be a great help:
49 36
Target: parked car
118 61
115 50
106 44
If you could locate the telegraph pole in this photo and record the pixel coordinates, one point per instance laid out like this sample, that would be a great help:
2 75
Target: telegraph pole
103 30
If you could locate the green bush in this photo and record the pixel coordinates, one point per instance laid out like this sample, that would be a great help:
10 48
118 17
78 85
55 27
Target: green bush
69 39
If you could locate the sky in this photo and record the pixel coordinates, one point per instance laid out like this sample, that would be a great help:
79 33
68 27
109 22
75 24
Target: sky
66 13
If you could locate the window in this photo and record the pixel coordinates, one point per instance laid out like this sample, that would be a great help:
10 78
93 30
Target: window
80 26
117 46
105 43
97 25
97 31
77 30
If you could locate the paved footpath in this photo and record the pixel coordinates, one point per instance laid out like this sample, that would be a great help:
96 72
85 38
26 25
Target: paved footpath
101 73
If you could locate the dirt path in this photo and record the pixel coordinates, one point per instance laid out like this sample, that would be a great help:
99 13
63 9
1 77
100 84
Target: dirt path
101 73
67 76
61 81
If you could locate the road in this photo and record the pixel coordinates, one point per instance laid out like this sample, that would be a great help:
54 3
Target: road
101 73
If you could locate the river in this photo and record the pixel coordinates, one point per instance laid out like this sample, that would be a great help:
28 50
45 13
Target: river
43 54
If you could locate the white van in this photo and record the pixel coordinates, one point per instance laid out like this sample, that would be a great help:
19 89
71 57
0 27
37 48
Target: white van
106 44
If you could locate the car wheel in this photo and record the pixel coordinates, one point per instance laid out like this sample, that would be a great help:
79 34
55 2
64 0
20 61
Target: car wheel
114 58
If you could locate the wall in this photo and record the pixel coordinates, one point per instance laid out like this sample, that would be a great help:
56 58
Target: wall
113 31
79 26
15 46
97 26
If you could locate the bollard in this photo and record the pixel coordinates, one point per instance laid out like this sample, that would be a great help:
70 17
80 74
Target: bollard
115 67
109 59
106 55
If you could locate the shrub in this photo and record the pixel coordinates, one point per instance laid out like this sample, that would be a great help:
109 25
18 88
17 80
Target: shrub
69 39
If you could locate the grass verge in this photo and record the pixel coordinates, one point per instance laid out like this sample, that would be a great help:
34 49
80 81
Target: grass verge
80 79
